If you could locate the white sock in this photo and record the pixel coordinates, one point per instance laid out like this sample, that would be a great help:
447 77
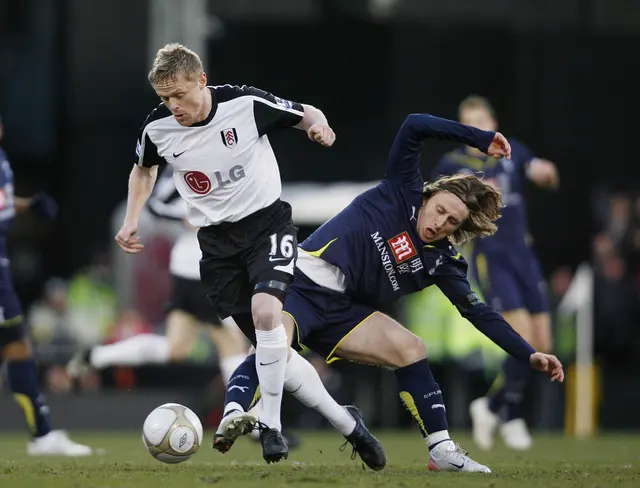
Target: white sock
271 362
438 438
229 364
232 406
304 383
135 351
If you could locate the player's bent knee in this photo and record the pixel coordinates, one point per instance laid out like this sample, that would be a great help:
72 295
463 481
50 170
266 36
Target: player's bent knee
17 351
402 349
179 351
266 310
411 350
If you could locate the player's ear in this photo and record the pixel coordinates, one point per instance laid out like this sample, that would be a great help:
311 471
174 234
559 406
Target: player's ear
202 82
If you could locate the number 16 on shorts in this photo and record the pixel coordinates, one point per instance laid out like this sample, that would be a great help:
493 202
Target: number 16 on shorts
283 250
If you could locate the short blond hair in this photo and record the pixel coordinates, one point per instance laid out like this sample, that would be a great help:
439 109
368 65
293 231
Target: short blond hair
476 101
482 200
172 61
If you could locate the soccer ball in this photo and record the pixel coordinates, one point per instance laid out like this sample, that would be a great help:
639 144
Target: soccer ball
172 433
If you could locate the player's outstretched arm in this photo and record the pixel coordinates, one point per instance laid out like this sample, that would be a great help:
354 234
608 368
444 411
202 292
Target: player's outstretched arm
141 182
484 318
41 204
315 124
404 157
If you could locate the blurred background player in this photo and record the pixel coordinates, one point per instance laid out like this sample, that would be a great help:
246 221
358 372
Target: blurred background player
15 348
189 309
506 270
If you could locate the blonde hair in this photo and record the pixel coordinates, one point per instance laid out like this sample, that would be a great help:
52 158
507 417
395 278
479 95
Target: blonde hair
476 101
172 61
482 200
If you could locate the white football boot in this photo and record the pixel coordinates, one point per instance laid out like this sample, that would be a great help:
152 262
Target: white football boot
57 443
448 456
484 423
516 435
233 425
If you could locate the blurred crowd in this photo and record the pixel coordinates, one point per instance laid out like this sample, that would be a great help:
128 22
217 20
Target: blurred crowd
616 260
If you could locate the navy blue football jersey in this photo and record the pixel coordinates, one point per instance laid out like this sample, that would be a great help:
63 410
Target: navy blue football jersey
375 243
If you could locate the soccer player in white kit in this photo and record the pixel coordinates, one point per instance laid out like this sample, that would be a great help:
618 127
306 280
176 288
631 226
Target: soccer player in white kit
216 139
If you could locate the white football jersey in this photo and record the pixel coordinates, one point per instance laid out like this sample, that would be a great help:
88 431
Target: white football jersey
165 202
224 167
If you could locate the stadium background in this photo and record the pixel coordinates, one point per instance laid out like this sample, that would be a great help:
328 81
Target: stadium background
73 93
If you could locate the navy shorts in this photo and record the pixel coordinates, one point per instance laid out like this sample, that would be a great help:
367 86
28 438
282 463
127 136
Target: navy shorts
322 317
12 328
511 280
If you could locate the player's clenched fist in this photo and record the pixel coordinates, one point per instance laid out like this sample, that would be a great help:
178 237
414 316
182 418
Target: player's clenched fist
127 239
322 134
499 147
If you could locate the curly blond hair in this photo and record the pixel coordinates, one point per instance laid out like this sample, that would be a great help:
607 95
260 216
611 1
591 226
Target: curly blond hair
482 200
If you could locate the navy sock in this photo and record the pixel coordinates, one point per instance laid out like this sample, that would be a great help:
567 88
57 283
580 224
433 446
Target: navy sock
243 387
508 391
23 381
421 395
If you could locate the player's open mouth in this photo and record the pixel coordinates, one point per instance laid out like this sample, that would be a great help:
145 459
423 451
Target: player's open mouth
430 233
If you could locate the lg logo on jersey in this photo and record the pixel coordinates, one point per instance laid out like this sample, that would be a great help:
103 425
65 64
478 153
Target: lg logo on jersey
201 184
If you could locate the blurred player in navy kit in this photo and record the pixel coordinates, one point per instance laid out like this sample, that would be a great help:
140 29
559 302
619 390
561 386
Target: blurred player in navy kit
506 270
15 348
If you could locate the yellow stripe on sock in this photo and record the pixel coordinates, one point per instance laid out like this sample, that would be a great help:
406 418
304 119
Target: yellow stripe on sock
256 397
29 412
408 401
497 384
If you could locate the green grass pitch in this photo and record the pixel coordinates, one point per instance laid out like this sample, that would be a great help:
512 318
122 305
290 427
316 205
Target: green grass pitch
608 460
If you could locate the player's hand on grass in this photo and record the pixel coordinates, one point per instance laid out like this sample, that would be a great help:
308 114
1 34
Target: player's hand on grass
499 147
547 363
322 134
127 240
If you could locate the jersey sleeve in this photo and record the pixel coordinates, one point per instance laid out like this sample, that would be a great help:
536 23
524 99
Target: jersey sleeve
146 151
453 282
165 202
272 113
403 163
521 155
6 174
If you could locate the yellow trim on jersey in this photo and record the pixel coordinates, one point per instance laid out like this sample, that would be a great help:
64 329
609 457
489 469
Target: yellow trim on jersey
319 252
330 359
457 256
410 403
13 321
29 411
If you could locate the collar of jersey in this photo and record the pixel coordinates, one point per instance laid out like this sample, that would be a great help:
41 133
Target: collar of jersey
214 108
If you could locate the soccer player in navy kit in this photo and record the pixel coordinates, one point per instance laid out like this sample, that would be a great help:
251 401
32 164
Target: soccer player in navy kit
506 270
393 240
15 349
